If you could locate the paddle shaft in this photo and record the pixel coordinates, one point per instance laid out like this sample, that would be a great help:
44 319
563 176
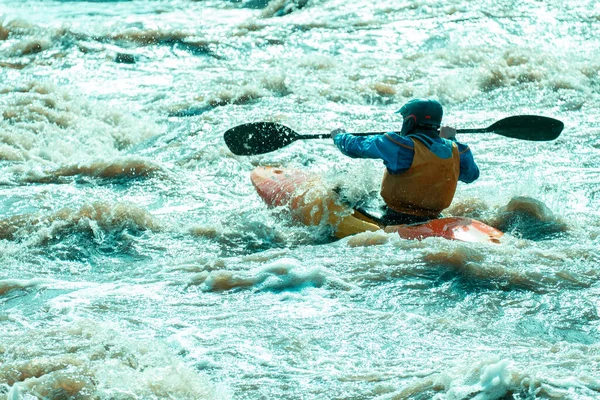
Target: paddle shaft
327 135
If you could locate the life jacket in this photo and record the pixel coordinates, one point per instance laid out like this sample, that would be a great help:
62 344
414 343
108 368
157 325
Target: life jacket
428 186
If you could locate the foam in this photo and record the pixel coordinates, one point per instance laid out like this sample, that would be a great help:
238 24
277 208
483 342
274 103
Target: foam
484 380
30 47
493 378
386 313
282 274
90 359
365 239
45 123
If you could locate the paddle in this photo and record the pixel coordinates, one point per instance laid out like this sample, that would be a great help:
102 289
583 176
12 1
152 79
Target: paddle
263 137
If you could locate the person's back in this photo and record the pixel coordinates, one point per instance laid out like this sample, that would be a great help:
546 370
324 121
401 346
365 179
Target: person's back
422 168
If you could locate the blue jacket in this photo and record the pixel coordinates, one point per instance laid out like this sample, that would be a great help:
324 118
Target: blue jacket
397 152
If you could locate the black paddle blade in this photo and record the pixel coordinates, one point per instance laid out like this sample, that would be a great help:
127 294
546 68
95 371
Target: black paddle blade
528 127
258 138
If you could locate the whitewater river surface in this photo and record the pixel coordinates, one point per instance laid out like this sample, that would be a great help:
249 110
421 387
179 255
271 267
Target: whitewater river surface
138 262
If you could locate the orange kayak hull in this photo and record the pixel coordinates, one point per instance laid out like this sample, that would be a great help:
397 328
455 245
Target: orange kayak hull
312 203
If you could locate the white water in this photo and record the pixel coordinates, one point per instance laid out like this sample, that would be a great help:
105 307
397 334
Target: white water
136 260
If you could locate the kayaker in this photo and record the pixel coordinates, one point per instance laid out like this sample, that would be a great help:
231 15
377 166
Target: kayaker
423 162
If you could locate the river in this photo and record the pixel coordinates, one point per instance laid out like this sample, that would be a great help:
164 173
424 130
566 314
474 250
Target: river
138 262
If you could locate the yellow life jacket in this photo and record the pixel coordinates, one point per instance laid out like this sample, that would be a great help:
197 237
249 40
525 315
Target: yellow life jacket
427 187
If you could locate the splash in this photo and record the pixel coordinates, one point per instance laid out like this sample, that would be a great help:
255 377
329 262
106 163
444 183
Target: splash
475 208
84 85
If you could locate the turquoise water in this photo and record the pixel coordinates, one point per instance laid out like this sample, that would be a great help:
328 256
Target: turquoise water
137 261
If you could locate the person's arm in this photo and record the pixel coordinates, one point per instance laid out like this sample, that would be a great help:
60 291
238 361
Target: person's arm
363 146
469 171
396 152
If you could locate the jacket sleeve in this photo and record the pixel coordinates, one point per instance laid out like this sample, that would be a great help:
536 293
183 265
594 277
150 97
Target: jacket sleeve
469 171
362 146
396 155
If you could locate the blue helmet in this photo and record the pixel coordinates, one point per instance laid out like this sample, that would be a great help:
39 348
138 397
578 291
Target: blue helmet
421 113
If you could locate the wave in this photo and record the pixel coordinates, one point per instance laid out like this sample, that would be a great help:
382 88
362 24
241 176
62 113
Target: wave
28 39
469 70
510 270
120 169
279 8
524 217
495 378
514 265
113 169
520 67
270 84
233 94
45 123
283 274
530 219
8 285
96 219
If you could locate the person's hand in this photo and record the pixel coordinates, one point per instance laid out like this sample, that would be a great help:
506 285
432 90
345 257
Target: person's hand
447 132
336 132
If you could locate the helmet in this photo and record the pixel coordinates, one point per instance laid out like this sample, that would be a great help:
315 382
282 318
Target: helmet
424 113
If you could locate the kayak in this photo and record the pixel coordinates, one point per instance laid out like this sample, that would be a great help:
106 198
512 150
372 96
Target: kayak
312 203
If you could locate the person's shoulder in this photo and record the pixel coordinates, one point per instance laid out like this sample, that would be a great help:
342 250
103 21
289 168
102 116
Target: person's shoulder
399 140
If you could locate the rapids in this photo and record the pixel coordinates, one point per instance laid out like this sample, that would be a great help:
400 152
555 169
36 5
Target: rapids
137 261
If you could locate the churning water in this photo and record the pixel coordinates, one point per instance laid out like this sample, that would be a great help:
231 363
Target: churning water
137 261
